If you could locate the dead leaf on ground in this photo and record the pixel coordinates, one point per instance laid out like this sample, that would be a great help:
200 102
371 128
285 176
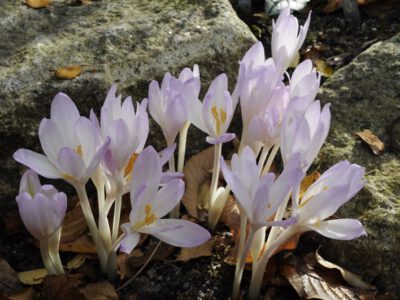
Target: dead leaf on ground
9 281
351 278
376 145
37 3
163 251
99 291
33 277
198 178
63 286
204 249
77 261
74 225
26 294
83 244
69 72
123 267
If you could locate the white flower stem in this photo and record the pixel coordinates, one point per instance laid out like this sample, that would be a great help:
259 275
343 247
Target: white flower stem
53 245
117 211
100 195
212 221
271 158
243 139
240 265
257 276
46 258
87 212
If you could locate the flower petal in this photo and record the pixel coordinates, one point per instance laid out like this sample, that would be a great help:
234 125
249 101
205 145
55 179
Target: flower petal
37 162
168 197
179 233
70 164
131 239
341 229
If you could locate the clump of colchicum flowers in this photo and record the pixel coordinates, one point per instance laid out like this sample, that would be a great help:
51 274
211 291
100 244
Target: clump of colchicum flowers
111 152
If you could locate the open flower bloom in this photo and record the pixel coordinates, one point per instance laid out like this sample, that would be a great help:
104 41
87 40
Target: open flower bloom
191 79
41 208
259 197
324 197
287 38
168 107
214 115
69 142
127 129
305 134
304 86
150 203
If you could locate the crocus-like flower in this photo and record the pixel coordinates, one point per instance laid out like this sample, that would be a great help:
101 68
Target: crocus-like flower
191 79
305 134
324 197
167 107
259 197
304 86
287 38
214 115
41 208
127 129
150 203
69 142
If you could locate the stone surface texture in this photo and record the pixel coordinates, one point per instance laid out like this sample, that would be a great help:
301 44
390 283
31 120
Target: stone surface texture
366 95
126 42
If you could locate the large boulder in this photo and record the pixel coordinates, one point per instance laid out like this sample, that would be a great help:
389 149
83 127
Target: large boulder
366 95
126 42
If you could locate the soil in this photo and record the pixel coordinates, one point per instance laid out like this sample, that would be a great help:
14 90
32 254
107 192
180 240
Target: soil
337 42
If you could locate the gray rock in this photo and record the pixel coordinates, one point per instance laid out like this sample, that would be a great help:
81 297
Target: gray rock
127 42
366 95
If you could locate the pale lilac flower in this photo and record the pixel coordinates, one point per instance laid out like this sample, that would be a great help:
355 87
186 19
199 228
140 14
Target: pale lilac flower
150 203
287 38
191 79
168 107
69 142
304 86
42 208
259 197
127 129
273 7
324 197
214 115
305 134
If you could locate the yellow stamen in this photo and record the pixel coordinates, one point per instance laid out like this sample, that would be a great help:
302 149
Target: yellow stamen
220 118
129 166
149 219
79 150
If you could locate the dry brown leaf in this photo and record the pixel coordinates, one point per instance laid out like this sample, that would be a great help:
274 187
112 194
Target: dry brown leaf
99 291
77 261
197 178
123 267
9 281
69 72
83 244
26 294
376 145
37 3
230 214
204 249
135 259
74 225
351 278
33 277
63 286
332 5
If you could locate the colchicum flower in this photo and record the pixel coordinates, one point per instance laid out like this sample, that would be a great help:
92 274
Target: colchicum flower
150 203
69 143
42 210
287 38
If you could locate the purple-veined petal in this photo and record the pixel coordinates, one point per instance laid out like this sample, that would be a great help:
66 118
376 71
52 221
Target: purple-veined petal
30 183
37 162
176 115
168 176
131 239
167 197
97 158
85 137
340 229
179 233
120 149
226 137
70 164
166 154
51 139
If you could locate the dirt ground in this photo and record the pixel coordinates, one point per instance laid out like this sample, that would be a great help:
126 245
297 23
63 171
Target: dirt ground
331 38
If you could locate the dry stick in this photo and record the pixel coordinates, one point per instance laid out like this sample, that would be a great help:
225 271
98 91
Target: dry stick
141 269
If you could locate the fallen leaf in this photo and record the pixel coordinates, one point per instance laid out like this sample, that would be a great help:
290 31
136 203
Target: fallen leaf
37 3
351 278
33 277
69 72
77 261
26 294
99 291
74 225
197 177
63 286
204 249
376 145
332 5
123 267
9 281
163 251
83 244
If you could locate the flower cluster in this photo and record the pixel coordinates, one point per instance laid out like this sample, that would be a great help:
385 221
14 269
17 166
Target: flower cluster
276 116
